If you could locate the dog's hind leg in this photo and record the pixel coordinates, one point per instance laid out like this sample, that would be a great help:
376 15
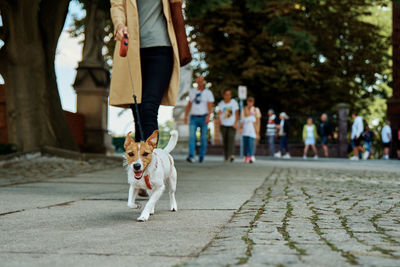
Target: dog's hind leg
133 192
172 189
155 196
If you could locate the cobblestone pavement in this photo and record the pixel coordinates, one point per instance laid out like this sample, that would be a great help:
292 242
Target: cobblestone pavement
305 216
34 168
60 212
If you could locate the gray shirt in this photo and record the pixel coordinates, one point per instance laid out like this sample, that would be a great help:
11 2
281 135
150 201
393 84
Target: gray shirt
153 26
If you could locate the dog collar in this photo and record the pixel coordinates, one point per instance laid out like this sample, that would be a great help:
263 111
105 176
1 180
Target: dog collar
147 178
147 181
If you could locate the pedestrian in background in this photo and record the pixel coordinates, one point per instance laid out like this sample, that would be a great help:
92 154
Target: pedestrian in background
283 133
248 131
325 132
309 138
271 131
257 113
367 137
356 130
386 139
200 107
228 115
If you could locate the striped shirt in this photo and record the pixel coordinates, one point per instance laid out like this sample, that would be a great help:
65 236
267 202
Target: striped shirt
271 125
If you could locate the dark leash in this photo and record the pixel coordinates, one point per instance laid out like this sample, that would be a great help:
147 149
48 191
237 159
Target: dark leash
139 125
123 53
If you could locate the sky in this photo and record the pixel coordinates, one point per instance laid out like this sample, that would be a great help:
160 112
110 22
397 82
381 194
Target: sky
69 53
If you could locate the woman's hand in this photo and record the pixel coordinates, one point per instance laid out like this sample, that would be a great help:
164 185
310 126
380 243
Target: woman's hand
121 31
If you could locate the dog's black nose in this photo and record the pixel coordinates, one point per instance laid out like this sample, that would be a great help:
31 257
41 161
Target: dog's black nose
137 166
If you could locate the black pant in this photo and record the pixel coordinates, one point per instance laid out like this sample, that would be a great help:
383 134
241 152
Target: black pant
156 65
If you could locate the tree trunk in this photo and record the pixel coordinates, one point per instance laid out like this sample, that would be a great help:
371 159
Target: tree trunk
35 115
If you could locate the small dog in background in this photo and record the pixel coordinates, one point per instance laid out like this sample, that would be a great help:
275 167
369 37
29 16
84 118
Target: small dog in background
149 168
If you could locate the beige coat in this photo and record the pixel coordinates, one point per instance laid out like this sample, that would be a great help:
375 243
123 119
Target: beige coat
124 12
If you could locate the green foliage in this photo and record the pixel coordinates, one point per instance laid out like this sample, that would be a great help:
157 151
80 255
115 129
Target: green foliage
301 57
164 133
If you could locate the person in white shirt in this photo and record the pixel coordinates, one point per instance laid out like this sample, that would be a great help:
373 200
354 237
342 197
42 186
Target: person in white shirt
356 130
200 107
249 134
257 113
228 116
386 139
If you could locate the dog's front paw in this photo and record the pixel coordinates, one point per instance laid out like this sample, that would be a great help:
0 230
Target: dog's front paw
143 217
173 207
132 205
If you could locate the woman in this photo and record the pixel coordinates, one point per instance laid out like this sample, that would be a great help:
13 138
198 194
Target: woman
283 133
309 138
151 69
257 113
248 132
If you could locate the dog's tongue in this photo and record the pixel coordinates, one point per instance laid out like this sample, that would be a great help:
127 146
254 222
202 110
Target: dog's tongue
138 174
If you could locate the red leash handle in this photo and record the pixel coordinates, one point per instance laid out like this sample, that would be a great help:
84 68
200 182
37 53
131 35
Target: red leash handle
123 51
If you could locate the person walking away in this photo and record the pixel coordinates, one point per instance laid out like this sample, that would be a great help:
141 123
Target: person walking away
309 138
271 131
325 132
283 133
367 137
200 107
257 113
356 130
248 131
151 69
228 115
386 139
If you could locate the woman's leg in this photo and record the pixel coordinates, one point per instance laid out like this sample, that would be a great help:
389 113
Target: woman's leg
156 66
244 139
314 148
281 142
305 150
286 145
249 154
251 146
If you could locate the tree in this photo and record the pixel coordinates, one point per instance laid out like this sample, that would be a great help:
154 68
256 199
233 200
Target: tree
30 31
298 56
78 27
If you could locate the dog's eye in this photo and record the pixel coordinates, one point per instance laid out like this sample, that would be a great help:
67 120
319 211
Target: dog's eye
145 154
130 154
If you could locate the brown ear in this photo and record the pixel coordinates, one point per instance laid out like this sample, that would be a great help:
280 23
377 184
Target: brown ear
152 140
128 140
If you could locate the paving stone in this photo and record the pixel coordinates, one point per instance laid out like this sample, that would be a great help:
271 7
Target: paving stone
319 218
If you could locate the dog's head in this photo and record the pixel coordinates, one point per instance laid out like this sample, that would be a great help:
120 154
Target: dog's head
139 154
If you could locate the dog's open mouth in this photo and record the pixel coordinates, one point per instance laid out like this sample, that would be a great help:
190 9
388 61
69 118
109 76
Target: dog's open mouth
138 174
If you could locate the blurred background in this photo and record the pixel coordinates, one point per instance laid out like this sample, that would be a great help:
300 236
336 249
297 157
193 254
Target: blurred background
301 57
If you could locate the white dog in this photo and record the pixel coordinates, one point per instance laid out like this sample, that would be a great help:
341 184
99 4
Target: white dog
149 168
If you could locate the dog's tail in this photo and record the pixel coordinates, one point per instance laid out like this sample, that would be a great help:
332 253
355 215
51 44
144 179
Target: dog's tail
172 141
